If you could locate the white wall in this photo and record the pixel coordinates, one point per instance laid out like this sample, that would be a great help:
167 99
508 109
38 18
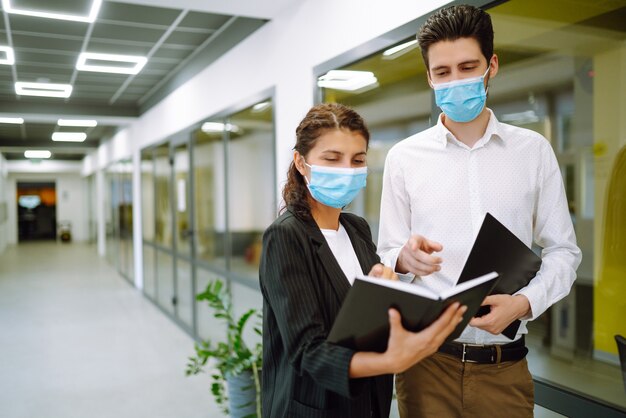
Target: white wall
71 191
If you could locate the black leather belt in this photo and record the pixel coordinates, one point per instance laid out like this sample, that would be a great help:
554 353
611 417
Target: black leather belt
486 354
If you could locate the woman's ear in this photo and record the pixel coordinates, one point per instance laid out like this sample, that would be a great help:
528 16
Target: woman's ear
298 162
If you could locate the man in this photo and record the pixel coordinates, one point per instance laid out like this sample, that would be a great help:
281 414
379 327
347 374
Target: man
439 184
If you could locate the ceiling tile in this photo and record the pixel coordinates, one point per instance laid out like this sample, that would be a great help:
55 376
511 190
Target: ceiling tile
126 33
203 20
136 13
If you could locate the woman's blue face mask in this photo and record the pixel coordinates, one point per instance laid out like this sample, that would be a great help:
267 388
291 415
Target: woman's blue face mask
462 100
335 186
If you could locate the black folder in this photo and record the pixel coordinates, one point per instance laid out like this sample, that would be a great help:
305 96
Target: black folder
363 320
498 249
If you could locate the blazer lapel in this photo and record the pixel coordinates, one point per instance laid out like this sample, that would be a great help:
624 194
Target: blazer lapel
363 253
328 261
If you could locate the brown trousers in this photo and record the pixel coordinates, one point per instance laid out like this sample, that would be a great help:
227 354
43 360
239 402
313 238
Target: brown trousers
441 386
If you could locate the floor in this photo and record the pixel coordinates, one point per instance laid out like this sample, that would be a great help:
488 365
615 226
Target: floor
78 340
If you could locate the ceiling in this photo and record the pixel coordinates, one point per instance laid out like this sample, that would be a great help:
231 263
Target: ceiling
178 38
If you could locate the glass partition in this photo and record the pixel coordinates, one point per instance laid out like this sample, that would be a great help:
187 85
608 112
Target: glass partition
118 217
559 68
148 222
250 186
209 196
163 198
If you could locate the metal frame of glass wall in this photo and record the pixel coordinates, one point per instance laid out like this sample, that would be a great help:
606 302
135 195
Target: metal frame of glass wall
184 268
548 394
118 204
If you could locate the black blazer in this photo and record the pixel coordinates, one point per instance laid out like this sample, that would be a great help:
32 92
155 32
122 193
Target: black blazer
303 287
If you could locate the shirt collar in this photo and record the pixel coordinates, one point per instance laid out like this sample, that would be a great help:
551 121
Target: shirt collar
493 131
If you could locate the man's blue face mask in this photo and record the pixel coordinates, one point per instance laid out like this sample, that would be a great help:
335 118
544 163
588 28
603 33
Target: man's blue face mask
335 186
462 100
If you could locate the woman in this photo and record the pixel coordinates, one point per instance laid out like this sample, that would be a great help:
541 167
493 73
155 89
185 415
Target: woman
311 255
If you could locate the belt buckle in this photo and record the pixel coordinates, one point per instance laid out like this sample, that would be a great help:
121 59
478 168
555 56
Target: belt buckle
465 345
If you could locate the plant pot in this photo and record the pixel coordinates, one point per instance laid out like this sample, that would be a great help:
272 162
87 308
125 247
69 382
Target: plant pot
241 395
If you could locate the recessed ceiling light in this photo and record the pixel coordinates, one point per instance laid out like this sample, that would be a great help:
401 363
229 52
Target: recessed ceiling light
90 123
31 153
15 121
82 64
219 127
354 81
93 12
9 56
69 136
43 89
398 50
261 107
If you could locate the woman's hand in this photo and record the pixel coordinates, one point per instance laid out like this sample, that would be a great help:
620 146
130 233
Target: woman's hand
405 348
383 272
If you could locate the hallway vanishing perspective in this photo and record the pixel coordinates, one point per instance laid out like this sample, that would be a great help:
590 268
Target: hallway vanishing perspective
77 340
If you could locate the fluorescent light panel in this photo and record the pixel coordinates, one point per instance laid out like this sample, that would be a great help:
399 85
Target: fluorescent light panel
69 136
347 80
261 107
93 12
31 153
14 121
138 62
90 123
43 89
9 56
219 127
399 50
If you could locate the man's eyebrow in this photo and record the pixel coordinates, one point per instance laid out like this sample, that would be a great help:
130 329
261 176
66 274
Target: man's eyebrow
444 67
469 62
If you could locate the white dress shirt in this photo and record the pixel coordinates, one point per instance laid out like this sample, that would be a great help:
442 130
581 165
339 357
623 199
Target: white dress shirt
341 247
438 187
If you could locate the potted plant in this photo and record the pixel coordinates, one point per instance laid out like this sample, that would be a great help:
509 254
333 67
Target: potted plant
236 384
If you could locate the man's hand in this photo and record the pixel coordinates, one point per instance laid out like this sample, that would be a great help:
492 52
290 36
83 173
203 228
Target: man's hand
504 310
415 256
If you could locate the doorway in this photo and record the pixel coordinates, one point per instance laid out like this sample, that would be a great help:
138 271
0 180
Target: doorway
36 211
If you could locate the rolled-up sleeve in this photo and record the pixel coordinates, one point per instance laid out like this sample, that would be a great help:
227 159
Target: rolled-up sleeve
554 232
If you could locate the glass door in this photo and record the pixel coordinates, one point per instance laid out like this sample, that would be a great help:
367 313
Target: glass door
164 263
183 231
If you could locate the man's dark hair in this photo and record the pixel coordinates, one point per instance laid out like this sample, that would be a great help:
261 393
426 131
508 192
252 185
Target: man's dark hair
454 22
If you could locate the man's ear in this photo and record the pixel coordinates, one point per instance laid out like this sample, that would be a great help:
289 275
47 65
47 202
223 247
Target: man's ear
494 65
430 83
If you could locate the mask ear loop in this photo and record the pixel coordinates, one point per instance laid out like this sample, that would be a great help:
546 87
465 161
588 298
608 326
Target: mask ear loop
488 78
306 180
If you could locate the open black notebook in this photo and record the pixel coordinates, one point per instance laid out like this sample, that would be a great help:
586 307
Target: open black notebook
498 249
363 321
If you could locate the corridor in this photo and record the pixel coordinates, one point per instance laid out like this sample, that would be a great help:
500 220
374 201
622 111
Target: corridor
79 341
